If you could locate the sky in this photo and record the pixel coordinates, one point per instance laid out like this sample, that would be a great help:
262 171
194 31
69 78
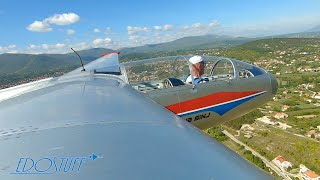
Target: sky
53 26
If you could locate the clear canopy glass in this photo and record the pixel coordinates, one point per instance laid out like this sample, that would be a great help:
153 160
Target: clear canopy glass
158 69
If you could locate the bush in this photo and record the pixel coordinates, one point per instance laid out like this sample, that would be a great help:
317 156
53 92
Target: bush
294 109
291 103
264 134
216 133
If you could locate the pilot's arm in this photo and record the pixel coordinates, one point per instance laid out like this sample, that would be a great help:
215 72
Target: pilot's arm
189 80
196 80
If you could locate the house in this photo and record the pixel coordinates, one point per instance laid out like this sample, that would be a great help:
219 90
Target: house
283 125
311 85
273 122
307 99
317 96
285 107
282 163
307 174
281 116
312 132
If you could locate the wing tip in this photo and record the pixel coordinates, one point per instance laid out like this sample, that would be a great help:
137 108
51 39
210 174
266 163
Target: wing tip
107 54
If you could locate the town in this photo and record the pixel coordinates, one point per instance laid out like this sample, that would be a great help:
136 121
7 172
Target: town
287 132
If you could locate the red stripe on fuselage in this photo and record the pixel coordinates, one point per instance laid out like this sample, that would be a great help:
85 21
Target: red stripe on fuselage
208 100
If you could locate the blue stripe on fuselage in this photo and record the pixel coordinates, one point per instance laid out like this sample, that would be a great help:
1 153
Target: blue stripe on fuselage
223 108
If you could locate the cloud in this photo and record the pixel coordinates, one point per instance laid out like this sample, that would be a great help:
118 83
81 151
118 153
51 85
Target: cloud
196 25
8 49
198 29
47 48
157 28
102 42
57 19
134 33
96 30
59 45
214 23
168 32
167 27
133 37
12 46
186 27
107 30
134 30
38 26
70 31
81 46
63 19
59 48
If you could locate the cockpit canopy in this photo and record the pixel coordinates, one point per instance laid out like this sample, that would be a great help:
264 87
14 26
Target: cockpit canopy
151 74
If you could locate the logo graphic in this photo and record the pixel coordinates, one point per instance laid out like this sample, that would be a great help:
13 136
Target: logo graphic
52 165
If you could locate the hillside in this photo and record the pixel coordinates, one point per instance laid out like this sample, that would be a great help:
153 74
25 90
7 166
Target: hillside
28 63
189 43
21 68
313 33
27 67
287 48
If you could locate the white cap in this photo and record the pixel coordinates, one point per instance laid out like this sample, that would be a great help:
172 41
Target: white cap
195 59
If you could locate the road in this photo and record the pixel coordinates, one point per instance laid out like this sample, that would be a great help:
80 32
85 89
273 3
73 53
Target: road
266 161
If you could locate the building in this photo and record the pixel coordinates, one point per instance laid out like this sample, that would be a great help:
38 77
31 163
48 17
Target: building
285 107
281 116
282 163
317 96
307 174
307 99
312 132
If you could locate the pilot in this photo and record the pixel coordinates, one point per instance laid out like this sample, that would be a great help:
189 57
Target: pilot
197 69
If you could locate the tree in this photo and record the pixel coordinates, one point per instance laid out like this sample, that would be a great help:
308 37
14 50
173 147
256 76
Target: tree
216 133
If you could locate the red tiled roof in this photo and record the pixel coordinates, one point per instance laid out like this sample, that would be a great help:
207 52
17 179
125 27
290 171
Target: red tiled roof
279 158
311 174
312 132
